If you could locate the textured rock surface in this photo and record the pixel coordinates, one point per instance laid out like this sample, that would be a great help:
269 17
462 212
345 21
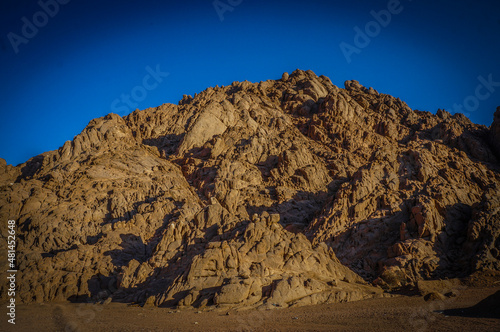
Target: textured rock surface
271 194
495 132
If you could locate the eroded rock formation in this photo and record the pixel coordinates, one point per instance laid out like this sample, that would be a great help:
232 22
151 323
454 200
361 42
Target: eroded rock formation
272 194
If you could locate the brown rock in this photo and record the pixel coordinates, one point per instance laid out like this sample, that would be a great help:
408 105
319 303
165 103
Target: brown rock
434 296
274 194
495 132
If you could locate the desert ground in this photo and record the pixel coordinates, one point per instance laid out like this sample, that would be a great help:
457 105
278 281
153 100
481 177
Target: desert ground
396 313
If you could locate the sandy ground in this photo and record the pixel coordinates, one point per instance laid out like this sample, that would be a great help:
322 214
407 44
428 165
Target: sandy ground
399 313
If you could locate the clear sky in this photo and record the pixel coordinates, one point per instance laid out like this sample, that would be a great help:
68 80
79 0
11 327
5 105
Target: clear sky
61 66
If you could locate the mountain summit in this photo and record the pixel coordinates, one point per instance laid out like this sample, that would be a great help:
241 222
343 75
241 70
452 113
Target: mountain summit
280 193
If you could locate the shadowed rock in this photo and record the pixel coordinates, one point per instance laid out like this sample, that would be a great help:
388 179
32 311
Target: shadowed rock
280 193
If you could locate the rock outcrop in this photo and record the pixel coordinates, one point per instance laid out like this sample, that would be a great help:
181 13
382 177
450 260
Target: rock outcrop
272 194
495 132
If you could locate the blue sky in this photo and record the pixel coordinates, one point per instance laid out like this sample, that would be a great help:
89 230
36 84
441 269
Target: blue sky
84 59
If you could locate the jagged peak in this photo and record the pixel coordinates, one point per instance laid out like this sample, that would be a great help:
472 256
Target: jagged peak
209 202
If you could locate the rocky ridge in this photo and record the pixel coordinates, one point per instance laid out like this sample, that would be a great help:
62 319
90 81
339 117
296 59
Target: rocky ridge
272 194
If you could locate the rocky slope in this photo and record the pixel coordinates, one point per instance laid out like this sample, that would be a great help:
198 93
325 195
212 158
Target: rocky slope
272 194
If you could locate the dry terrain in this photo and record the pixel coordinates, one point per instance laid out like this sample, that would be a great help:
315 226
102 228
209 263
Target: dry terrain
399 313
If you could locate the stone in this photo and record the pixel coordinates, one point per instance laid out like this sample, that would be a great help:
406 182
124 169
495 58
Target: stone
449 286
495 132
275 217
434 296
281 193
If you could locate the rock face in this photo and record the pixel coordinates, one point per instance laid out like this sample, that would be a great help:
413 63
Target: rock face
271 194
495 132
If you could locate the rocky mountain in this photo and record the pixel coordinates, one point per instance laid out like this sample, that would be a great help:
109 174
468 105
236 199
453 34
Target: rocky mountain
272 194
